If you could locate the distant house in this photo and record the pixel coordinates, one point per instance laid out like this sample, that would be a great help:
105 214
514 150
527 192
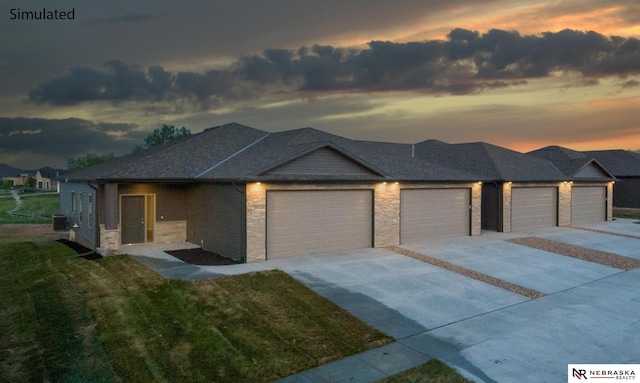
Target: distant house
625 166
251 195
591 183
45 179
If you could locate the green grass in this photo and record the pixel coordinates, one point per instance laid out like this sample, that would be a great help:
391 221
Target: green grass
433 371
65 319
34 209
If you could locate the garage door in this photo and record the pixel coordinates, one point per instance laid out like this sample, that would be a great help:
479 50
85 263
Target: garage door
428 213
588 204
312 222
534 208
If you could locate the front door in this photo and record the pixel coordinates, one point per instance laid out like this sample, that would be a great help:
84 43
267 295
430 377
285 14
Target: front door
133 218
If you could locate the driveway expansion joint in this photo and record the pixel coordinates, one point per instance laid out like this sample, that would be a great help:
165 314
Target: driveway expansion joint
514 288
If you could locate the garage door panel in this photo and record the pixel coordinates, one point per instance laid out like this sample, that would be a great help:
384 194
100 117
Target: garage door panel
428 213
588 204
319 221
534 208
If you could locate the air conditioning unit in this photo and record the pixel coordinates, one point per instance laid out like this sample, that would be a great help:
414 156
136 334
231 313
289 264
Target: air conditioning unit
59 222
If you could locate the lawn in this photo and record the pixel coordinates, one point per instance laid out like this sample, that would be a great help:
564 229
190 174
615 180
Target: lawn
35 208
65 319
433 371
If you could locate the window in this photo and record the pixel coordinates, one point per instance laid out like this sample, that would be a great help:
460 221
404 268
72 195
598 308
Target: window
73 201
80 208
90 210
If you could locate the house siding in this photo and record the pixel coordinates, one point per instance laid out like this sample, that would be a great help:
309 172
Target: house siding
85 232
215 219
626 192
322 161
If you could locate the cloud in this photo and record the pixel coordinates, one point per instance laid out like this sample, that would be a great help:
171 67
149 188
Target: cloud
467 62
62 139
128 18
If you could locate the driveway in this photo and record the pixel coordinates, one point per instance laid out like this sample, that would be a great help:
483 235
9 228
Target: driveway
589 313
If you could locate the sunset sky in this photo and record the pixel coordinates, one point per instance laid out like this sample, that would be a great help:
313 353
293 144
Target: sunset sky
520 74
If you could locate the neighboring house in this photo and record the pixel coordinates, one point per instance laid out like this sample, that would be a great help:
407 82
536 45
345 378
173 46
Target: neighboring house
625 166
45 179
251 195
591 183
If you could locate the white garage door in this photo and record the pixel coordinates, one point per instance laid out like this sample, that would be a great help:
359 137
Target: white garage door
312 222
588 204
428 213
533 208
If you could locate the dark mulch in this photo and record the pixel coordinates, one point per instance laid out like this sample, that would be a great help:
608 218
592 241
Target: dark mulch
201 257
79 249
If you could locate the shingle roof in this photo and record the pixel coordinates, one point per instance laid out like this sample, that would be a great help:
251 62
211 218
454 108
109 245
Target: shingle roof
621 163
237 152
569 162
490 162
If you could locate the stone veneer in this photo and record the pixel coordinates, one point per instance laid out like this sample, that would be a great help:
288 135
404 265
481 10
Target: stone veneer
170 231
386 210
109 240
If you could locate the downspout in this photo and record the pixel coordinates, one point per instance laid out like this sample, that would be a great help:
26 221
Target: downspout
97 220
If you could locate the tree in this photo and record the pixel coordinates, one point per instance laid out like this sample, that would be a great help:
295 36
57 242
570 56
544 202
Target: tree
88 160
162 135
6 185
31 182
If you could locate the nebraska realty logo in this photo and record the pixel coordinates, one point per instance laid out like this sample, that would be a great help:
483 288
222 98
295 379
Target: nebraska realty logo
603 372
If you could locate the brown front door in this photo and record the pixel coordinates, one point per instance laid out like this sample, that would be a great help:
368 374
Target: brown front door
133 219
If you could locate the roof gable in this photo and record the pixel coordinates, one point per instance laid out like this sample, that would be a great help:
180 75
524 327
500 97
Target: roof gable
325 161
592 171
620 163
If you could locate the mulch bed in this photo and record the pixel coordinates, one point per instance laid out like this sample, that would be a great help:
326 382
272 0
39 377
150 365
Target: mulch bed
85 252
201 257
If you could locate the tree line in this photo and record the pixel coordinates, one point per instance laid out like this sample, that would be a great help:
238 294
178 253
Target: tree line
159 136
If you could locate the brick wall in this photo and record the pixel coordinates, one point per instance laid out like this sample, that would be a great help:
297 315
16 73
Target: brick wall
564 204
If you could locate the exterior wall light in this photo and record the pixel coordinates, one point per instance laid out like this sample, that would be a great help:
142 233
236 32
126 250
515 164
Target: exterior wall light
395 183
510 182
258 183
479 182
384 183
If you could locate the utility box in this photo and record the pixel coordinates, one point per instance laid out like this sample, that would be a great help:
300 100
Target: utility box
59 222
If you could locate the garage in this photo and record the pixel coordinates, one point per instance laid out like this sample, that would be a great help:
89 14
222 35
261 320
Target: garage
533 208
588 204
318 221
429 213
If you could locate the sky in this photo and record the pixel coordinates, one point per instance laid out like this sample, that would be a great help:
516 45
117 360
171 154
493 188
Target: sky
519 74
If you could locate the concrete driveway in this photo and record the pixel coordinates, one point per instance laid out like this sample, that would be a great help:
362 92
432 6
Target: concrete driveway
590 313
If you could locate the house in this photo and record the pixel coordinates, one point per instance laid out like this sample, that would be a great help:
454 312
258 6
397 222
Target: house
625 166
591 183
45 179
252 195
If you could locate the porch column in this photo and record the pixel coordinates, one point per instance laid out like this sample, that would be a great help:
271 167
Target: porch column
111 206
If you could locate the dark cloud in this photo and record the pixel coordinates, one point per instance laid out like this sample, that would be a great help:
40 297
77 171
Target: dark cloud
128 18
63 139
467 62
